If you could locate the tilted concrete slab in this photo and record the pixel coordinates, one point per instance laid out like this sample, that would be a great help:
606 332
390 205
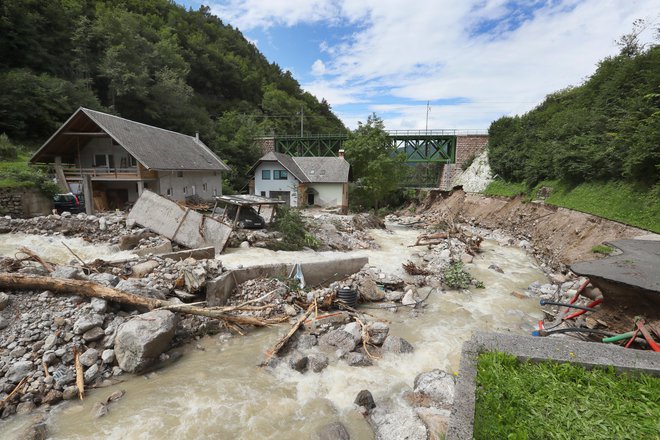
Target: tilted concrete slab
181 225
637 266
220 289
535 349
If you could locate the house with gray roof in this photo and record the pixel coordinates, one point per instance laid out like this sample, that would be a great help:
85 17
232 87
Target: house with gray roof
112 160
303 181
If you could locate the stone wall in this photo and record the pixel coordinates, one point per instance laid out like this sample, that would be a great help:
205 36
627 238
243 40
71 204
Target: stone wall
466 147
24 202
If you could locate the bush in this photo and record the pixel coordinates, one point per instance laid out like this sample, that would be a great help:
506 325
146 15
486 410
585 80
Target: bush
457 278
465 165
8 150
295 237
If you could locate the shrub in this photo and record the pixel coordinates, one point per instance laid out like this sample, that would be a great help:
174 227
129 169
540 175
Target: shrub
455 277
8 151
290 224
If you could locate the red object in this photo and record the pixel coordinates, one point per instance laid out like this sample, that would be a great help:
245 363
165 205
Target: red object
649 338
632 339
580 289
582 312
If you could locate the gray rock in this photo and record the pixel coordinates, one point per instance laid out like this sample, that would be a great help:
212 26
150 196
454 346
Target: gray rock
393 295
70 393
68 272
108 356
377 332
106 279
4 300
355 359
395 344
410 298
138 288
49 358
306 341
25 407
297 361
436 385
4 323
142 339
91 373
496 268
340 339
18 352
143 269
369 290
18 370
36 431
93 334
396 423
50 342
99 305
89 357
64 376
365 399
317 362
333 431
87 322
103 224
99 410
355 330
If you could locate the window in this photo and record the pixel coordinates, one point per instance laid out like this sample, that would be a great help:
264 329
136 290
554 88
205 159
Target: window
179 174
280 175
265 174
185 190
215 192
100 160
205 187
169 191
263 193
131 161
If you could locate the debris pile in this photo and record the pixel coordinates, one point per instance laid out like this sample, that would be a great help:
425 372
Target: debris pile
342 232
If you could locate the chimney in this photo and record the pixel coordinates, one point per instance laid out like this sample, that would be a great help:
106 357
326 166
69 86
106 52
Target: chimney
341 154
197 135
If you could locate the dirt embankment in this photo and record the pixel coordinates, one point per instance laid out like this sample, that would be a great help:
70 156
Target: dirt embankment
558 236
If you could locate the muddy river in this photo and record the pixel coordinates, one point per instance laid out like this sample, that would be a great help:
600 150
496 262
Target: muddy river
216 390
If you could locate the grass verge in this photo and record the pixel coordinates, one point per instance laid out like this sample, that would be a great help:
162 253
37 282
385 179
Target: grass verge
517 400
615 200
17 174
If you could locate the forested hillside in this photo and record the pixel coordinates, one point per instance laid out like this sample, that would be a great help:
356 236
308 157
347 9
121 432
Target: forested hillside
147 60
606 129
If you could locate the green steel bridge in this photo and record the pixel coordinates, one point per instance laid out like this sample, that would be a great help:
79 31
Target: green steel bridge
425 150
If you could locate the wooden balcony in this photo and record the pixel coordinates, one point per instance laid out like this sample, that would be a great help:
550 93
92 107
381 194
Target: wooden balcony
73 173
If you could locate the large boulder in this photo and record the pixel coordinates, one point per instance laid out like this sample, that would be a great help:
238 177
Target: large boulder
333 431
18 370
339 339
395 344
142 339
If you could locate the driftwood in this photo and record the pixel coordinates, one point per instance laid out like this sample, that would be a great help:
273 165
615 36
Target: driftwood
80 377
280 343
426 239
94 290
16 389
412 269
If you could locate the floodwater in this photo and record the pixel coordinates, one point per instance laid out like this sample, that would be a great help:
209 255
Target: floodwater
218 392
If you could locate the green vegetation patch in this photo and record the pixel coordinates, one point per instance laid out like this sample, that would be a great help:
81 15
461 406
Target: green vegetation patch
505 189
615 200
455 277
295 237
602 249
522 400
17 174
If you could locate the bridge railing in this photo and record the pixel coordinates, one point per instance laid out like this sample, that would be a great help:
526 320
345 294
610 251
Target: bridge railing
440 132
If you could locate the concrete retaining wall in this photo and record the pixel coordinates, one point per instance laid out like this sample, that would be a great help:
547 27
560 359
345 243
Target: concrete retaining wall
220 289
535 349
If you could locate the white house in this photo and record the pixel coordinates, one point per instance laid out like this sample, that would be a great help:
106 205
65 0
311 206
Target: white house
303 181
112 160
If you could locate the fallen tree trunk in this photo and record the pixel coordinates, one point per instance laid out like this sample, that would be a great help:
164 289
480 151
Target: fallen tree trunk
94 290
280 343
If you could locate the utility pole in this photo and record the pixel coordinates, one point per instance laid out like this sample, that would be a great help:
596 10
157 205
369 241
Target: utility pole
428 109
302 115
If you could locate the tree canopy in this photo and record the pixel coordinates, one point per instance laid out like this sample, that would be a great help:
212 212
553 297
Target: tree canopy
377 166
151 61
608 128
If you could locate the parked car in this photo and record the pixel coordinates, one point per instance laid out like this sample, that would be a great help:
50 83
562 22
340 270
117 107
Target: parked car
73 203
247 218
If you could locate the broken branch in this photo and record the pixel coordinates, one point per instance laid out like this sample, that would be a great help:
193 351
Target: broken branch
280 343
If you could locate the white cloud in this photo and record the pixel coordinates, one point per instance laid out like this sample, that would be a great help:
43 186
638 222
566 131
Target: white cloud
429 49
318 68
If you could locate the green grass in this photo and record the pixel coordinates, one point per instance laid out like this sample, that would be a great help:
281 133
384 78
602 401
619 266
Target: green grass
517 400
505 189
615 200
17 174
602 249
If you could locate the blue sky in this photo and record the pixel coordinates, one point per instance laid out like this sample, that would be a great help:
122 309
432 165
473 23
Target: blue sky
474 60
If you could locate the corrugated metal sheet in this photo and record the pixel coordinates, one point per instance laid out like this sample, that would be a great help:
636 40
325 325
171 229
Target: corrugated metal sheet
157 148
